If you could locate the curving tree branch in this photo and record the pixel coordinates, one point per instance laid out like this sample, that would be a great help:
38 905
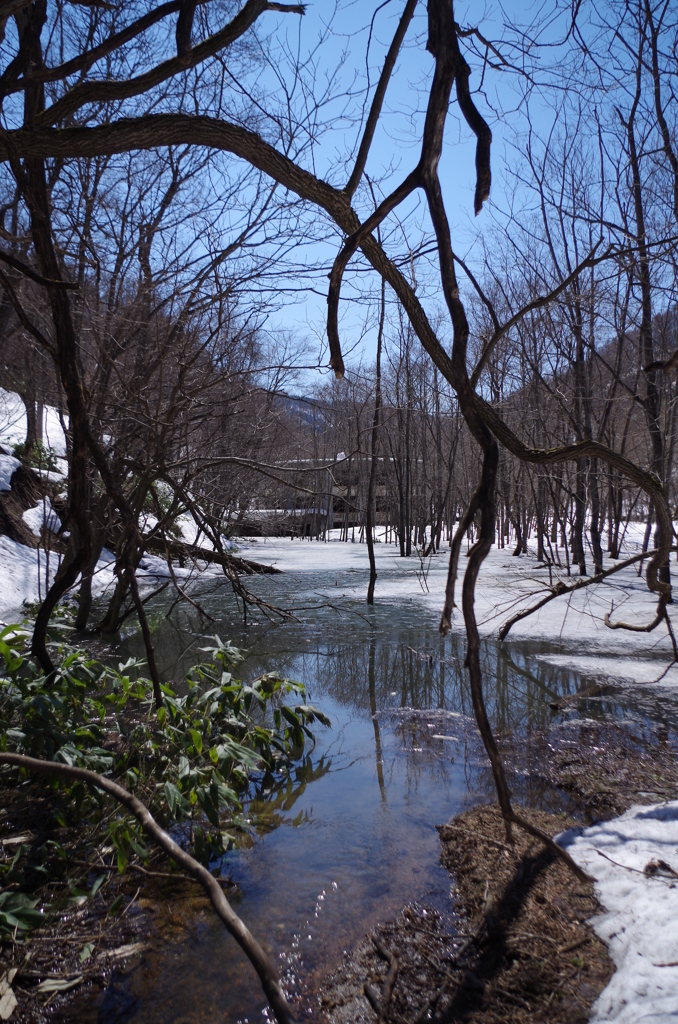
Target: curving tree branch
240 932
113 91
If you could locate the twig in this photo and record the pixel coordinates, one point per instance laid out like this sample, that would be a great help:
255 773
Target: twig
380 1004
636 871
561 588
552 846
573 945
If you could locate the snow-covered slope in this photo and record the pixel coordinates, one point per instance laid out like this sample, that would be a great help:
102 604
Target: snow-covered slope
8 467
42 515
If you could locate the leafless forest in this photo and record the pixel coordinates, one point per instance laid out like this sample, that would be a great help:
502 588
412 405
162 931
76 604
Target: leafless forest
175 175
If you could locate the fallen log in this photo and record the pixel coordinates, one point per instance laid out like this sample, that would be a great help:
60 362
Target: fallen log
179 549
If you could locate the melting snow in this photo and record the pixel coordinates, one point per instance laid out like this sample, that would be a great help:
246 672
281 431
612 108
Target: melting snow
13 423
41 515
8 466
639 924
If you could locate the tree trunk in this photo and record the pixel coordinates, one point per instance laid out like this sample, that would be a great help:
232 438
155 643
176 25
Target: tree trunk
595 517
371 487
578 552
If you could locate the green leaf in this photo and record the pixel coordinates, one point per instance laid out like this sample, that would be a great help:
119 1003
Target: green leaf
97 885
235 750
197 740
17 911
116 904
290 716
86 952
311 713
15 734
208 806
122 859
177 803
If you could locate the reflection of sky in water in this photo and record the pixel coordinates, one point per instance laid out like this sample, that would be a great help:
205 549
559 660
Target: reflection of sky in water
350 837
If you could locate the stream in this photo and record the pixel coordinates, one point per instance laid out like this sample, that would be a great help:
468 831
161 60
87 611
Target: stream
350 837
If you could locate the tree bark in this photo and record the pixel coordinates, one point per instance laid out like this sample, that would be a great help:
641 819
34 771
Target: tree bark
371 489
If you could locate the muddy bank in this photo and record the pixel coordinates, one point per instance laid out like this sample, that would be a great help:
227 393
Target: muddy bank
596 770
521 948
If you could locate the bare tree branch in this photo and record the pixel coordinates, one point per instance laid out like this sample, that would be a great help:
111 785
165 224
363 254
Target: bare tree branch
240 932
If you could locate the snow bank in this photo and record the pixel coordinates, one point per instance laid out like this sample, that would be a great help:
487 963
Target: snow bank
23 571
190 534
41 515
641 910
19 570
8 467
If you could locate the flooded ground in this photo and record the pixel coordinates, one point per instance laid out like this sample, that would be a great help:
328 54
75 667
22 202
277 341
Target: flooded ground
350 838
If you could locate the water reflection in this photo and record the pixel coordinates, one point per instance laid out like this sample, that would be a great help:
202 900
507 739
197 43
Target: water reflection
272 801
375 720
349 837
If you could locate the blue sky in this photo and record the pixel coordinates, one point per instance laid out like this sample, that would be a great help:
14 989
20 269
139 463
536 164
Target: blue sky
345 30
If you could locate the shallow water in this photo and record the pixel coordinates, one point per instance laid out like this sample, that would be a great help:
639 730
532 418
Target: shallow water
349 839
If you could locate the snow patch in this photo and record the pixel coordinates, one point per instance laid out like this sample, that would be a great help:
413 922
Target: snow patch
8 467
617 670
41 515
641 910
13 424
20 568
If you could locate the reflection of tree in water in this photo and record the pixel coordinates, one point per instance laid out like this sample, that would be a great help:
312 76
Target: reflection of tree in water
375 720
273 799
364 674
401 665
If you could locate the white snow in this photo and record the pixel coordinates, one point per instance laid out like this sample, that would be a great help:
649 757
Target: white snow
639 923
626 669
505 585
41 515
19 567
13 424
190 534
8 466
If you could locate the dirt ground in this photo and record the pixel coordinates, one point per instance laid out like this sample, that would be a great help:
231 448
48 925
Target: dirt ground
522 949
